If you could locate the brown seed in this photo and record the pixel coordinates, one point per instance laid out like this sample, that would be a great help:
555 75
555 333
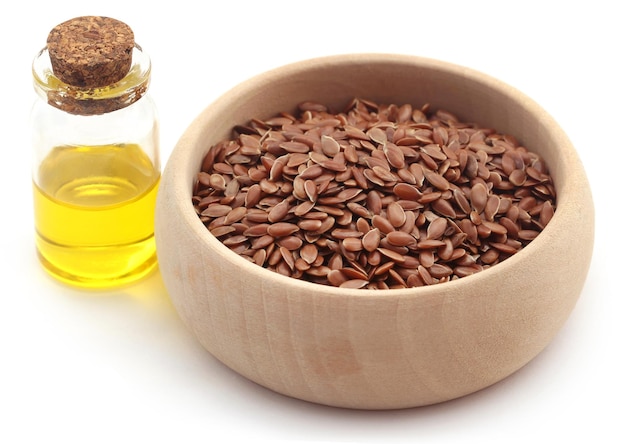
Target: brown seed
478 197
309 253
382 224
352 244
527 235
400 239
327 224
494 227
217 181
440 136
461 200
259 257
358 210
491 207
457 254
222 230
256 230
395 280
257 174
418 172
377 135
336 278
295 147
391 254
484 231
383 174
303 208
443 207
374 202
536 174
349 194
469 228
330 146
316 215
377 196
290 242
216 210
232 188
287 257
253 196
234 240
414 280
425 275
395 214
464 271
490 256
410 222
546 214
359 177
350 154
269 187
354 272
280 229
276 171
471 167
373 177
503 247
334 165
354 283
384 268
517 177
445 251
429 244
394 155
406 191
406 175
262 242
510 162
371 240
298 188
345 233
436 228
310 189
311 172
362 225
235 215
279 211
335 262
512 230
436 180
427 258
310 224
329 209
440 270
297 159
301 265
318 271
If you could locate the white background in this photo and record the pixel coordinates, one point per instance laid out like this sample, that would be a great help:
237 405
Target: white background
79 367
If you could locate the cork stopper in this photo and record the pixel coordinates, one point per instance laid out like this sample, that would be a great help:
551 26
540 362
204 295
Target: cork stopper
91 51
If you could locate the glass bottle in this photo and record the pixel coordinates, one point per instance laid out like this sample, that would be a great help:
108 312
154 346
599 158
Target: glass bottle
96 165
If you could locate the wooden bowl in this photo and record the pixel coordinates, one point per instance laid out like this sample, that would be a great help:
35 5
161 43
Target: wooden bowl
375 349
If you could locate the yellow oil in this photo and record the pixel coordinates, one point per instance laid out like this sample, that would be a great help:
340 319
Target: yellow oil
94 214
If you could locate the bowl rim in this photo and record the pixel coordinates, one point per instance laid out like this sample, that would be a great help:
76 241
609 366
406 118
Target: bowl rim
572 176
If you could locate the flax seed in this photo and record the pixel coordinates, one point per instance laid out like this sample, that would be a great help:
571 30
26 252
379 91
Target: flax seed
400 239
383 224
395 214
281 229
378 196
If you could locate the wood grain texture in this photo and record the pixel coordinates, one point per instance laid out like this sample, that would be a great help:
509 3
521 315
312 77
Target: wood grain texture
375 349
